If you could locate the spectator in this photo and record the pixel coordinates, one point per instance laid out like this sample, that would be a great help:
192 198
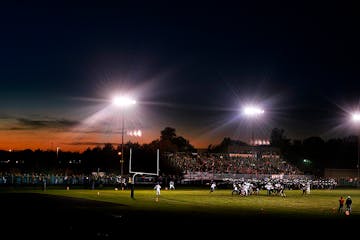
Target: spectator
348 203
341 204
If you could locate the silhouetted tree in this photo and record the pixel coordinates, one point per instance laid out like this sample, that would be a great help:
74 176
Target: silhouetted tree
168 134
278 138
170 142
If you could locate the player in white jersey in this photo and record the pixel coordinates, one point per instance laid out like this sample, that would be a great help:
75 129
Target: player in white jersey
157 189
171 185
212 186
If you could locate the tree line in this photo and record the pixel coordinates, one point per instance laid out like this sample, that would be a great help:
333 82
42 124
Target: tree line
310 155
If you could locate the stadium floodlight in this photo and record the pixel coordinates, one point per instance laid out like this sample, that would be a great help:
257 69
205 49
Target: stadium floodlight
57 153
356 119
123 102
252 111
135 133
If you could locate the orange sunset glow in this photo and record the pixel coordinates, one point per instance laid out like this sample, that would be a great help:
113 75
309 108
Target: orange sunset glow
72 141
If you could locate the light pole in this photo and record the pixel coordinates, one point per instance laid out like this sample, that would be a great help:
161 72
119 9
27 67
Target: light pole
57 153
356 119
252 112
122 144
123 102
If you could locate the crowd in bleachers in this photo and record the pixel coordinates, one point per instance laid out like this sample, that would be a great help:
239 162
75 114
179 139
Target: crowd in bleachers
195 167
16 177
225 163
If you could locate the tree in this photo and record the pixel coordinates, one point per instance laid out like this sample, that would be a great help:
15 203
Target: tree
314 150
278 138
170 142
168 134
183 144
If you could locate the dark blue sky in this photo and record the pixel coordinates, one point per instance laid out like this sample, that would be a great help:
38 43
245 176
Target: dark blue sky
190 67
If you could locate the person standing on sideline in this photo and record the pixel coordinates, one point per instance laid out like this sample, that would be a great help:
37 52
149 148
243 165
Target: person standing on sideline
171 185
348 203
341 204
44 184
157 191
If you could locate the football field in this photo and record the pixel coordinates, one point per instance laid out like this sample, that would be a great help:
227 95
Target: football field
107 212
319 203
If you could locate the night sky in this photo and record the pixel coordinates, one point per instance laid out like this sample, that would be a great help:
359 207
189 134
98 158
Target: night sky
190 67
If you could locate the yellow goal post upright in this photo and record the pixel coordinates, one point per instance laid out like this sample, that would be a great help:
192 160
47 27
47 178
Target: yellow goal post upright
141 173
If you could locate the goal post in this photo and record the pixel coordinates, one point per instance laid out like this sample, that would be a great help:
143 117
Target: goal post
142 173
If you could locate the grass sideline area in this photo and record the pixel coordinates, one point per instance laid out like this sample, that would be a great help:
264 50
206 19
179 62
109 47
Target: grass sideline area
319 203
104 212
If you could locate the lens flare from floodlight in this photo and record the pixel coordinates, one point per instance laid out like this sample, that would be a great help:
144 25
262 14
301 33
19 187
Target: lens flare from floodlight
356 117
139 133
252 111
134 133
123 101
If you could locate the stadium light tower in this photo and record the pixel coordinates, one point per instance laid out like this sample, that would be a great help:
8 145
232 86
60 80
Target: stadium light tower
253 112
356 119
123 102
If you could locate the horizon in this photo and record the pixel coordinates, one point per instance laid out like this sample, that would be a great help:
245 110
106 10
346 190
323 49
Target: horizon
84 147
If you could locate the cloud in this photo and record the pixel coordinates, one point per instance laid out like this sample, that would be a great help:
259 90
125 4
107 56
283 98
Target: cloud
13 128
36 124
94 131
31 124
4 116
89 143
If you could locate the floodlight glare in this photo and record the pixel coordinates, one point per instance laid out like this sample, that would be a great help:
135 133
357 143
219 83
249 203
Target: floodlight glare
123 101
252 111
356 117
139 133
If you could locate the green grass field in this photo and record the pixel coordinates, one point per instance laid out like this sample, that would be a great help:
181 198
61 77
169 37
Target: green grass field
85 213
319 203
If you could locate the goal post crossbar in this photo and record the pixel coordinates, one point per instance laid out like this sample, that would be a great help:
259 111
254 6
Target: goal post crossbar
142 173
145 173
